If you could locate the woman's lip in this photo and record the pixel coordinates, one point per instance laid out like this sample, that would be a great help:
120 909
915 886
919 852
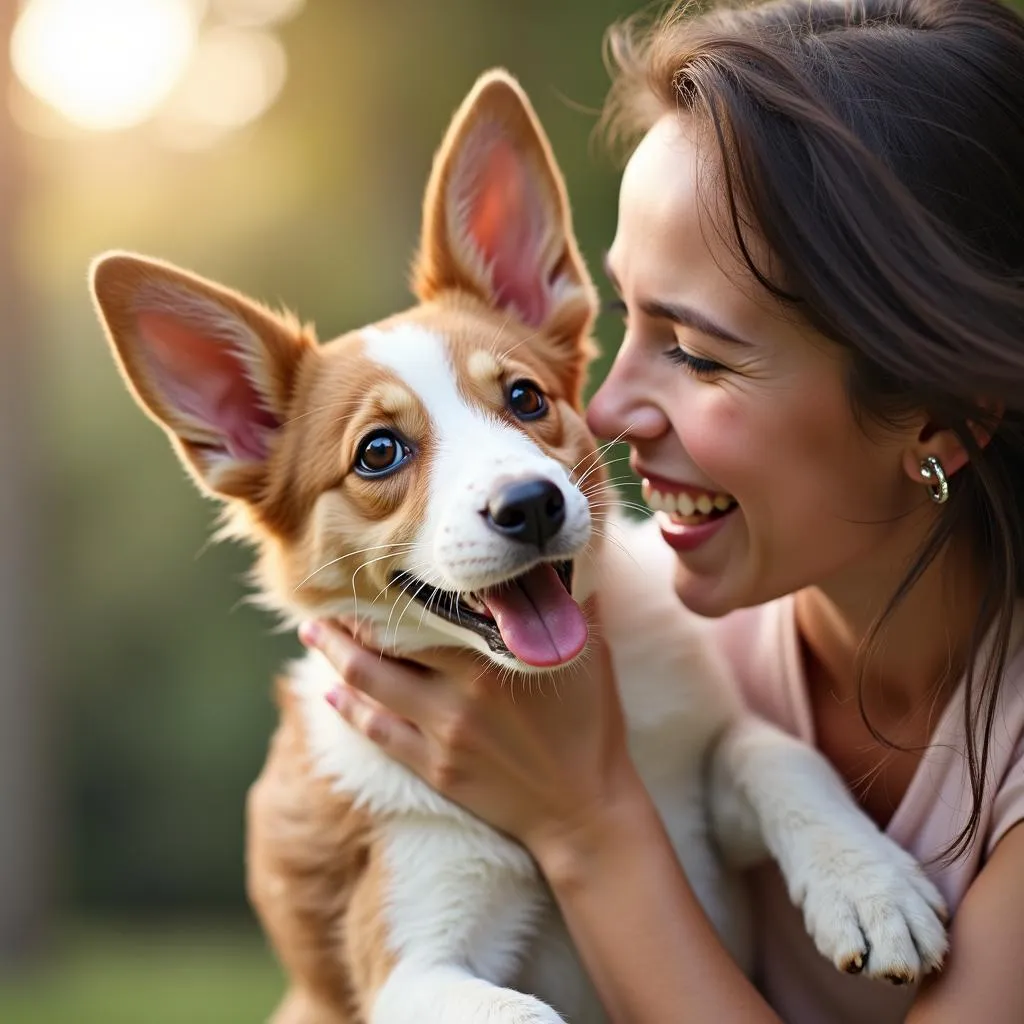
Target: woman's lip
664 486
682 537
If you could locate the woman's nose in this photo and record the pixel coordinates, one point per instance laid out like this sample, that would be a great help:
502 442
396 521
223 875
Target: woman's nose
623 406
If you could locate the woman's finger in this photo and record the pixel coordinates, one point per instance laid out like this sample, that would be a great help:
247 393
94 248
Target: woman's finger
398 738
397 685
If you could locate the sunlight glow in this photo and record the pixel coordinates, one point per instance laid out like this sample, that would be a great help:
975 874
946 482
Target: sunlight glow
234 76
103 64
257 13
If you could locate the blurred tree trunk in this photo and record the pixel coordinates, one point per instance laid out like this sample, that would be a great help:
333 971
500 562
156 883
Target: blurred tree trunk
24 874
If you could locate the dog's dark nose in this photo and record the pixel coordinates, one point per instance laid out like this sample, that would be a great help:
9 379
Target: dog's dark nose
531 511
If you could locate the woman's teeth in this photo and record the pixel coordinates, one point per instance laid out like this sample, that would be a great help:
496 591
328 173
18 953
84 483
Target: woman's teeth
684 506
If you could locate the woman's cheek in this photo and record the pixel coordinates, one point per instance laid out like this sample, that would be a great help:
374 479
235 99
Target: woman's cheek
718 440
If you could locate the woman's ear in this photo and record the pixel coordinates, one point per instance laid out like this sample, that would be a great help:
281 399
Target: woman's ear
943 445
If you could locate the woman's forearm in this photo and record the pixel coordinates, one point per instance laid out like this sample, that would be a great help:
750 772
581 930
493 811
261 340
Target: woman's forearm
645 940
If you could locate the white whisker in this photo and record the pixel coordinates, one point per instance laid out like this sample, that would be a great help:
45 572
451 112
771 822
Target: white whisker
332 407
497 337
622 504
521 342
598 466
372 561
599 451
351 554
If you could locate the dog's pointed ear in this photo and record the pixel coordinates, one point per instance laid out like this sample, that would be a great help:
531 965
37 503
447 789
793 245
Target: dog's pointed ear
216 370
496 219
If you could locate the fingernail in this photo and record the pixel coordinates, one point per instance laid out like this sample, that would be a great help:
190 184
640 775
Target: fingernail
339 699
310 634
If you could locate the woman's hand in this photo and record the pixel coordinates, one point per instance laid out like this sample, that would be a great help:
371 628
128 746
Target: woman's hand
540 758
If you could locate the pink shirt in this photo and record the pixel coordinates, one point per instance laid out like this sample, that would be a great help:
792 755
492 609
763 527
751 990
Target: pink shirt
801 985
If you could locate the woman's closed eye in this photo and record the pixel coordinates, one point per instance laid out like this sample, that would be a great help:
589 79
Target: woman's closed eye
696 365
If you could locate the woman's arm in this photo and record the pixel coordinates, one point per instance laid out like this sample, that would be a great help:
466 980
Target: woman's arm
650 950
983 979
552 770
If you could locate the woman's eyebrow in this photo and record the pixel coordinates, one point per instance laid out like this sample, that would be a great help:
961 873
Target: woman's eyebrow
686 316
677 313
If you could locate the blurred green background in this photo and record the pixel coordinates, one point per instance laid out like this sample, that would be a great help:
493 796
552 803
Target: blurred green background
281 147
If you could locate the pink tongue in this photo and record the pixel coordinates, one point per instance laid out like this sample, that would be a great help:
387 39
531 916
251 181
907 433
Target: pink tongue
538 620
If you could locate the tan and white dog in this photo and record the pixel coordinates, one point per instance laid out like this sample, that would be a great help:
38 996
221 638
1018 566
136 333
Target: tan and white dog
433 474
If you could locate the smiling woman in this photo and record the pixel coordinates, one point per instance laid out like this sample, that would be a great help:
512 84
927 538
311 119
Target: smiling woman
104 65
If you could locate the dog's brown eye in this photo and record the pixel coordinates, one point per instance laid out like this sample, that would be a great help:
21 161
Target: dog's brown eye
526 400
379 453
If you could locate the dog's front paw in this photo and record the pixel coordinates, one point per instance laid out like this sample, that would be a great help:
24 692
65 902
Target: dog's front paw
867 904
503 1006
445 996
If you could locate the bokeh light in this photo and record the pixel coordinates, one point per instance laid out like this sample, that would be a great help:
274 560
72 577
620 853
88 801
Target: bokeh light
106 64
235 74
256 13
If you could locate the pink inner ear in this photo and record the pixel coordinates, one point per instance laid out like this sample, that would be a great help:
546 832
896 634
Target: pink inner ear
506 223
201 378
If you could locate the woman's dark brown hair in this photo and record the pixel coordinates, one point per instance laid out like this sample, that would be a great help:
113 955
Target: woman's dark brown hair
878 147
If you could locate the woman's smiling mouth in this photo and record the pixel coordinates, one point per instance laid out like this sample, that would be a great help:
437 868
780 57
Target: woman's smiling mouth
688 516
688 505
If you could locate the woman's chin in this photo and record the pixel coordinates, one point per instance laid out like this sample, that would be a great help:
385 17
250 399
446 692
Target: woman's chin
711 597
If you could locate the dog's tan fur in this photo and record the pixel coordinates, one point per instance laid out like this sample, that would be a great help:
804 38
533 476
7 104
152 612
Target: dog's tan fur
308 853
318 883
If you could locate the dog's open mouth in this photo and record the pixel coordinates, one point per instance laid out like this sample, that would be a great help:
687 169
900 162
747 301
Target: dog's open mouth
532 616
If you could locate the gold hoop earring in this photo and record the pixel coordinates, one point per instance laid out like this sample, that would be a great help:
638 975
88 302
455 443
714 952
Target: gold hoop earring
935 476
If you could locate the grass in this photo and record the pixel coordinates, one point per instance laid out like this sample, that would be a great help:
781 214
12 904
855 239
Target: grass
111 975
